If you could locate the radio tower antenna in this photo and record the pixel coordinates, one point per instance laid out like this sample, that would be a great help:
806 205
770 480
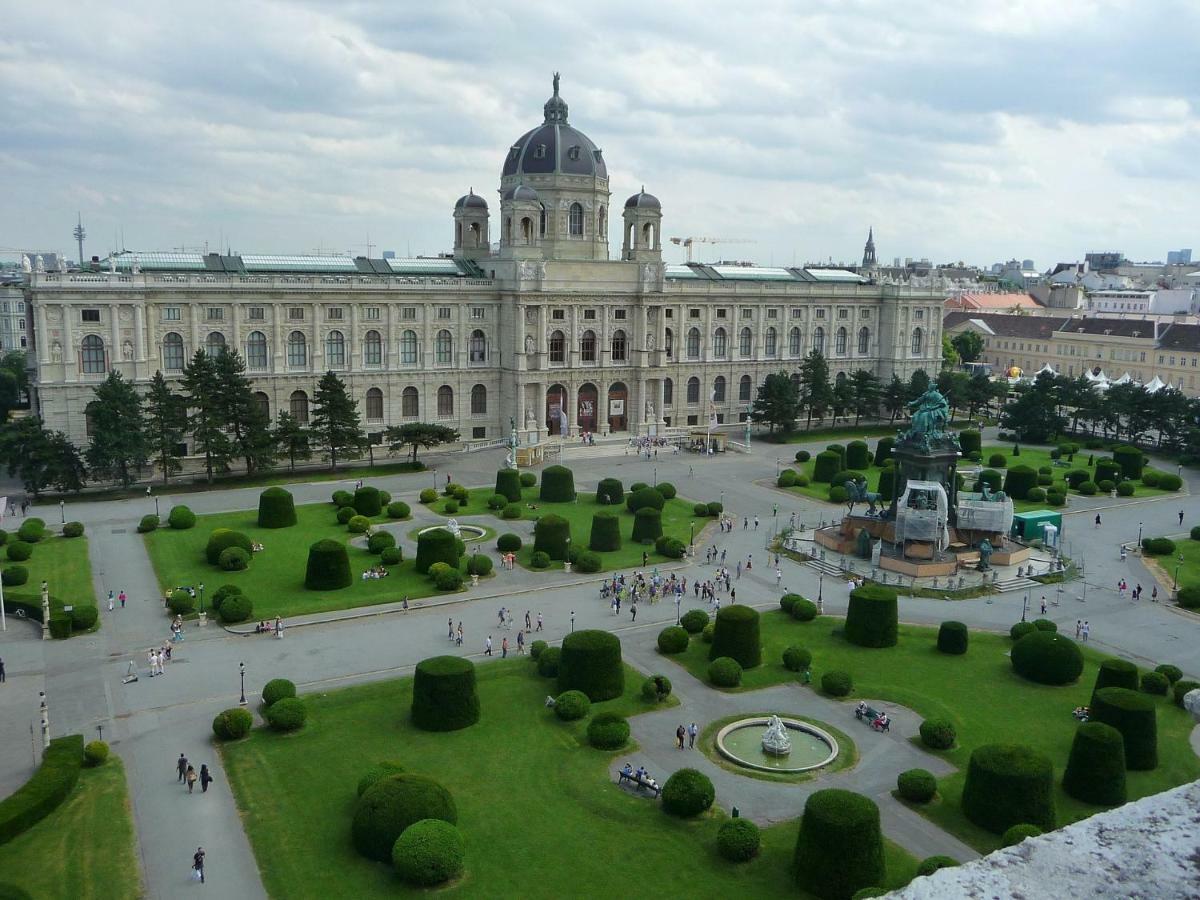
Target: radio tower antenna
80 234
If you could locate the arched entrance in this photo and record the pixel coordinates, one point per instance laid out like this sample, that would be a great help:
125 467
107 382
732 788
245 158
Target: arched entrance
588 397
618 407
556 414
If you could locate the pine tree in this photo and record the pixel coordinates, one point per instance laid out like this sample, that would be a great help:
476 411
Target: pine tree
166 421
249 428
335 422
777 403
894 397
119 443
290 439
867 391
41 458
816 393
207 417
843 397
918 384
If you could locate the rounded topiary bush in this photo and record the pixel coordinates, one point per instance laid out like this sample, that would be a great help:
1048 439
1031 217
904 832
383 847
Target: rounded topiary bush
871 620
512 511
328 567
1095 770
608 731
916 785
797 659
738 840
429 852
147 524
181 602
497 502
931 864
938 734
376 773
673 639
700 509
1188 596
427 495
1018 833
528 479
1133 715
736 634
508 542
997 460
95 753
558 485
391 805
1019 480
508 485
1047 658
725 671
181 518
1116 673
539 559
342 498
572 705
714 509
969 440
398 509
786 601
277 689
345 514
233 559
591 662
670 547
551 534
479 564
436 546
694 620
656 688
1009 784
1035 495
14 576
232 724
837 684
1170 672
839 849
803 456
444 694
72 530
667 490
223 538
380 541
647 525
1158 546
1087 488
276 508
606 533
952 638
547 662
358 524
1130 459
804 610
288 714
1020 629
706 634
235 608
787 478
610 492
83 617
645 498
991 478
1180 689
1045 625
1125 489
19 551
687 792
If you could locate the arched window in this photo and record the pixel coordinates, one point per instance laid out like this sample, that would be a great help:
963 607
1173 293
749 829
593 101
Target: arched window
478 400
618 346
693 343
668 392
458 233
745 386
840 342
263 402
558 348
693 390
772 336
372 349
375 405
476 233
746 342
864 340
297 351
408 348
92 355
335 350
719 343
172 351
587 347
477 348
256 350
794 345
718 393
576 220
669 342
526 230
819 340
298 406
542 220
445 401
214 343
443 347
409 407
917 342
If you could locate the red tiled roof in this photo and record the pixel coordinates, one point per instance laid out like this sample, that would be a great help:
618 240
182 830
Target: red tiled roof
992 301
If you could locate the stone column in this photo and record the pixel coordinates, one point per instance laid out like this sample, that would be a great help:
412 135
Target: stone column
279 361
139 334
70 352
114 327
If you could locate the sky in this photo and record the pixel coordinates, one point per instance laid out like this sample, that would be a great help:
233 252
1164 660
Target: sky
973 131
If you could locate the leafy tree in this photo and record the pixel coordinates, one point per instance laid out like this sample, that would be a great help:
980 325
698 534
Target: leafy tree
335 422
894 397
918 384
843 397
249 427
776 403
14 362
816 393
65 467
969 346
119 445
1033 416
420 434
291 439
207 417
953 386
867 392
41 458
950 356
10 394
977 393
166 421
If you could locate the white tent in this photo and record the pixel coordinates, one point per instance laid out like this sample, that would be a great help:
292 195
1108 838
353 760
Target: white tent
1124 379
1155 385
1047 369
1097 378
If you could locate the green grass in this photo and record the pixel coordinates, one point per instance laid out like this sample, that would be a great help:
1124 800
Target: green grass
63 564
978 692
84 850
832 434
540 813
1189 572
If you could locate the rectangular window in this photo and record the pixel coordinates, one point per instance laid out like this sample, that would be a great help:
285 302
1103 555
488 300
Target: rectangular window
796 312
866 314
920 314
1160 356
443 312
93 315
619 313
170 313
256 313
408 312
772 314
371 313
693 420
694 313
589 314
479 431
843 313
296 313
747 313
722 313
477 312
558 315
214 313
820 313
334 312
670 313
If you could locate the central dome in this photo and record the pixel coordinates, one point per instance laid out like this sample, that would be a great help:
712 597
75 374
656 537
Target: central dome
554 147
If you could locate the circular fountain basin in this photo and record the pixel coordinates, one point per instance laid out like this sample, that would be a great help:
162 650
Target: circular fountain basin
467 532
741 742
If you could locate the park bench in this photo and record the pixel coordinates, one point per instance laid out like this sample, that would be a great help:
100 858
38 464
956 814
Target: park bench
639 783
869 715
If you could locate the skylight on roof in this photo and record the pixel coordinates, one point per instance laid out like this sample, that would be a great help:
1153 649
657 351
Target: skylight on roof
834 275
425 266
753 273
299 264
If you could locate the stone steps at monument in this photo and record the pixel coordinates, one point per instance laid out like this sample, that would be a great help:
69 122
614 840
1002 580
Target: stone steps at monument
1006 585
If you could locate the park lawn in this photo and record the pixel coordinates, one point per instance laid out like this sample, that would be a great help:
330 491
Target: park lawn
538 808
1189 571
832 435
274 580
978 692
63 564
84 850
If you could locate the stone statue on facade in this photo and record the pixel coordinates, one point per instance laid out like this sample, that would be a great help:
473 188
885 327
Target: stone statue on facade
530 419
529 343
137 265
776 740
112 264
650 411
649 340
26 265
127 351
39 263
56 352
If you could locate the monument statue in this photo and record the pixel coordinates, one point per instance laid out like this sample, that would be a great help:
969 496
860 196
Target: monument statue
650 411
776 740
529 343
985 555
530 419
930 413
26 265
856 492
452 527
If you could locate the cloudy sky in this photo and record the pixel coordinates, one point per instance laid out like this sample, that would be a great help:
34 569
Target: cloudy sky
971 130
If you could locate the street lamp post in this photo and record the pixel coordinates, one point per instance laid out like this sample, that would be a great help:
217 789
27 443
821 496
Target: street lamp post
242 672
692 538
656 476
1139 543
1175 585
1025 606
572 621
45 720
62 511
820 594
202 598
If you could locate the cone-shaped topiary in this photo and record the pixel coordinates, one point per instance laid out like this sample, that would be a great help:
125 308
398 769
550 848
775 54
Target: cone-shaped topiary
222 539
367 501
551 534
736 634
434 546
1133 715
1018 480
591 662
839 849
444 695
871 620
643 498
1130 459
952 638
391 805
328 566
1096 768
276 508
610 492
858 455
647 525
508 484
1116 673
1009 784
606 532
887 482
558 485
1047 658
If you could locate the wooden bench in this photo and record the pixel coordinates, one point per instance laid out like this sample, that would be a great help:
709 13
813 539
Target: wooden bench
869 715
639 783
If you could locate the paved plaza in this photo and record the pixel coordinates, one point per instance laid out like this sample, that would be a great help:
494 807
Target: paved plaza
152 721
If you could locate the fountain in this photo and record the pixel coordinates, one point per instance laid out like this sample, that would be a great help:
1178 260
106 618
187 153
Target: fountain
776 744
776 741
466 533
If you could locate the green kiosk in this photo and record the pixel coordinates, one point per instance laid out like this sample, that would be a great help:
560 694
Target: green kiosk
1030 525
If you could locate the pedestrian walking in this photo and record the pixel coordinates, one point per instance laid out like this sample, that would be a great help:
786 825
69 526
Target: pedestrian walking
190 778
504 648
756 523
1078 628
488 651
632 618
692 732
1181 517
459 639
528 626
732 593
745 523
1087 630
198 864
1137 592
680 734
110 601
1153 599
181 766
539 625
205 779
1097 520
779 578
4 678
1043 604
121 597
450 627
521 642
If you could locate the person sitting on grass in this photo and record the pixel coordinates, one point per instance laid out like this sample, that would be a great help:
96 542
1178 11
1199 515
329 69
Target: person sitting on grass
1081 713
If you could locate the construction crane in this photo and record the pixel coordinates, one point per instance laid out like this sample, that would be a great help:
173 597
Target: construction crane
687 242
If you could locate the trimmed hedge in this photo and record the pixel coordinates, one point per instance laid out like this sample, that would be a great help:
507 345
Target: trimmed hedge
970 441
931 864
786 601
398 509
1181 689
83 617
871 620
50 785
1047 658
1009 784
429 852
19 551
551 534
393 804
444 695
667 489
1020 629
235 608
725 671
610 492
608 731
647 525
508 542
572 705
223 538
916 785
1188 596
345 514
1045 625
1133 715
938 734
277 689
991 478
276 508
233 559
736 635
1018 833
73 530
887 483
826 465
591 662
181 518
479 564
952 638
380 541
435 546
1158 546
714 508
839 849
547 662
645 498
1115 673
367 501
342 498
558 485
656 688
797 659
14 576
180 602
707 633
539 559
232 724
147 524
1170 672
1018 481
803 456
328 567
858 455
378 772
687 792
288 714
738 840
670 547
787 478
837 684
1096 767
694 620
508 485
528 479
